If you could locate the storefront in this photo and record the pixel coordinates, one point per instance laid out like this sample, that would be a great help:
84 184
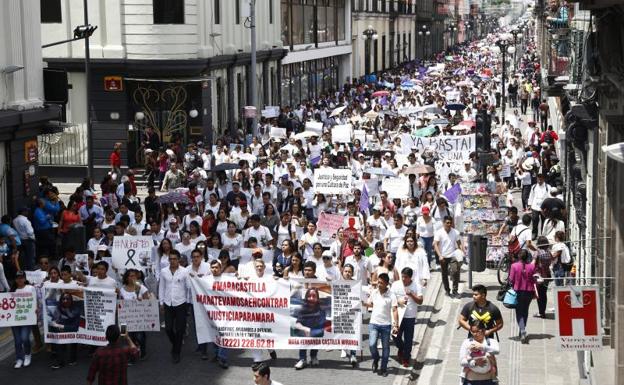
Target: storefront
309 79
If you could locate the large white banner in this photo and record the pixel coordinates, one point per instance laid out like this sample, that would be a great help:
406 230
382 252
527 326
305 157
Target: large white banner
332 181
132 252
75 314
449 147
342 133
18 309
278 314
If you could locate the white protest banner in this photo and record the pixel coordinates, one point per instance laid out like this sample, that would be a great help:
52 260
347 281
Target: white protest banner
396 187
278 132
332 181
314 127
342 133
577 311
270 112
506 171
76 314
132 252
328 224
448 147
36 278
278 314
360 135
372 186
18 309
139 316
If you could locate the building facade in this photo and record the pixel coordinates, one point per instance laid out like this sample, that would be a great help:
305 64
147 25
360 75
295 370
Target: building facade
23 113
180 66
317 36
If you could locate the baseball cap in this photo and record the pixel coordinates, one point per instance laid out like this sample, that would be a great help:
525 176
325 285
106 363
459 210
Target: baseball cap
425 210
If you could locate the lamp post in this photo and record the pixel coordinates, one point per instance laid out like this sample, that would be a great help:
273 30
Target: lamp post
517 35
452 29
368 35
424 33
503 46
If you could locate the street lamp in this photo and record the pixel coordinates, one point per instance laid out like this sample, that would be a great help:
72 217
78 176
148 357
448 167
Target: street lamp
503 46
368 35
517 35
423 33
452 29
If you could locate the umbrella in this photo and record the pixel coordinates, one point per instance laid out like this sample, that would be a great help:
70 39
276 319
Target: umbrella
380 93
226 166
337 111
379 171
433 110
174 197
371 115
449 58
418 169
305 134
442 122
427 131
455 106
469 123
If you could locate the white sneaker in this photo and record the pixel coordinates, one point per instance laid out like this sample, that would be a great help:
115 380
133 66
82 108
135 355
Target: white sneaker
27 360
343 353
18 364
301 364
314 362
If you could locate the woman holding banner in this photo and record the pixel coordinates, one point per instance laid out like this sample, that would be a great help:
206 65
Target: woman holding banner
21 334
133 289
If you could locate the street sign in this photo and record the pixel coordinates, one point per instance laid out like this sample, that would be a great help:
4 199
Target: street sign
577 311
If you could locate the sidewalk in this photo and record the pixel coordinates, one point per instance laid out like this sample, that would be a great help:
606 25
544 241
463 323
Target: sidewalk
537 363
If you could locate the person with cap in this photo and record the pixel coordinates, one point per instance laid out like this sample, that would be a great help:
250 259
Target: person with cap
173 232
468 174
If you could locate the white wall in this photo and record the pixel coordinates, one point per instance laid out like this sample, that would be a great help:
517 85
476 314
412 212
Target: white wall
20 46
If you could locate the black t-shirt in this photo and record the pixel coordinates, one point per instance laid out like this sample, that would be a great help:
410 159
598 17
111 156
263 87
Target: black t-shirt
551 203
488 314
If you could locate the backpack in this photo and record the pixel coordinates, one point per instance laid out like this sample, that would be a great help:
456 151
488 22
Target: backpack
514 246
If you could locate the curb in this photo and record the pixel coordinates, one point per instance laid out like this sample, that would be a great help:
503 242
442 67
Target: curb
407 375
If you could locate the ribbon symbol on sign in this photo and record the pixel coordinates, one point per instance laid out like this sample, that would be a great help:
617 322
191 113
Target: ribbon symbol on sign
130 254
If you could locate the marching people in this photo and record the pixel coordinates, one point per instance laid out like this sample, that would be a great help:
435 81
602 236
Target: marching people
409 295
448 246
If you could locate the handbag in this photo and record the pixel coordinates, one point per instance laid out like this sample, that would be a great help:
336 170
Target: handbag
501 293
511 299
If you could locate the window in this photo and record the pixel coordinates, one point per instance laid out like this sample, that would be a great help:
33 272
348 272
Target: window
270 11
237 9
216 12
321 21
168 11
383 53
286 29
51 11
340 20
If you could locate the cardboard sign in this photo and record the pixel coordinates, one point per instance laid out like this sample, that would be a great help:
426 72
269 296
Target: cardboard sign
278 132
18 309
314 127
328 224
132 252
270 112
577 311
332 181
448 147
342 133
140 316
360 135
396 187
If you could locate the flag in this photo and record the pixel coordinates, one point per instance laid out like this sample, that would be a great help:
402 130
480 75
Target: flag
314 161
364 199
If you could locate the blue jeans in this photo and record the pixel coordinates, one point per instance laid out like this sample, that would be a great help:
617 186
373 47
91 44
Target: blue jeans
21 338
405 337
374 333
428 243
303 354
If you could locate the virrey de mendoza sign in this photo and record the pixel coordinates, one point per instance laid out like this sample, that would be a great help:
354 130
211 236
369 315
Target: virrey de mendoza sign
278 314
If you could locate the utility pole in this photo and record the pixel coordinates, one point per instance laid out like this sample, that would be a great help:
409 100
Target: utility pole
88 96
254 92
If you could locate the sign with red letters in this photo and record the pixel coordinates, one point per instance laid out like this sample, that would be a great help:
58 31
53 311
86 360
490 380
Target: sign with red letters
577 311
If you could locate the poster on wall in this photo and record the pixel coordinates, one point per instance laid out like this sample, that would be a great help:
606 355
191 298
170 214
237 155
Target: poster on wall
270 314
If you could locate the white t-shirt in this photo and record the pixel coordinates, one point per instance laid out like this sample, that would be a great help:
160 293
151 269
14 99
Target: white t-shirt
417 261
395 237
106 283
425 229
382 307
565 252
523 233
447 241
232 245
262 235
398 289
361 272
310 240
132 294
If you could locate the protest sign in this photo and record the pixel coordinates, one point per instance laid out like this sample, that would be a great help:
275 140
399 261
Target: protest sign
372 186
443 169
36 278
342 133
448 147
277 314
328 224
506 171
132 252
140 316
270 112
278 132
314 127
18 309
396 187
75 314
332 181
360 135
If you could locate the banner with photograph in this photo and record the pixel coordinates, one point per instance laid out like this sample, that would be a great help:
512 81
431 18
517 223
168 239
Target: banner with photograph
278 314
76 314
448 147
139 315
132 252
332 181
18 309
